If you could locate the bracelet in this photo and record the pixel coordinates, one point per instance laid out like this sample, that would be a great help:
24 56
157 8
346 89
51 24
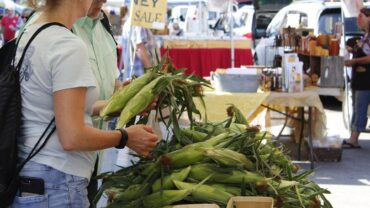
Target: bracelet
123 140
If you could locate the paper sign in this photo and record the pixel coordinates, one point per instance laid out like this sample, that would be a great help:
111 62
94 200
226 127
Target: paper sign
295 77
148 13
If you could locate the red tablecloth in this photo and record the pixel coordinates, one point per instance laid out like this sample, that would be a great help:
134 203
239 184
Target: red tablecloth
201 61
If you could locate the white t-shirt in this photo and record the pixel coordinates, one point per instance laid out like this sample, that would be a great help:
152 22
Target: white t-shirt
55 60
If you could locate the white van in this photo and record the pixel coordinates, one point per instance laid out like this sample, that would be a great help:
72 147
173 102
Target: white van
185 16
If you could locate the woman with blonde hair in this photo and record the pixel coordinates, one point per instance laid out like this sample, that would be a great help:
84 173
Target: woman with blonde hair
57 81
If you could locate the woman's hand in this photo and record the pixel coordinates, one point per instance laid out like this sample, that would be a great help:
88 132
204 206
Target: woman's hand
98 106
141 139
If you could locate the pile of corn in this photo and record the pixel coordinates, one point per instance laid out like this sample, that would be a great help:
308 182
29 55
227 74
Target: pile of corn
212 163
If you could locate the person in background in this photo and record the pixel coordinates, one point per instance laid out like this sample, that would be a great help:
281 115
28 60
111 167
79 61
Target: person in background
140 46
26 13
62 85
360 84
123 14
9 24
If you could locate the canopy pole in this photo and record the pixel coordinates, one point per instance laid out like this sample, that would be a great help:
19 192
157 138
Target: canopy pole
232 33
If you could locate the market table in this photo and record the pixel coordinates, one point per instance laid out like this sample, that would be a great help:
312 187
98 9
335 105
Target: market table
201 57
252 103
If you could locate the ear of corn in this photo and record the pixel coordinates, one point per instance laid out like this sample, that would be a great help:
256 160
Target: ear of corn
213 141
264 135
192 153
133 204
283 184
123 95
183 157
141 100
195 136
131 193
239 128
163 198
235 191
167 181
201 171
239 117
205 192
229 158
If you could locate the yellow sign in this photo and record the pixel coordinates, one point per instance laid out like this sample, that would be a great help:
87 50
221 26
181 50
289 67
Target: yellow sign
149 13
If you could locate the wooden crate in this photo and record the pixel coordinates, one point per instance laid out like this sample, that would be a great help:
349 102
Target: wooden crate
250 202
328 154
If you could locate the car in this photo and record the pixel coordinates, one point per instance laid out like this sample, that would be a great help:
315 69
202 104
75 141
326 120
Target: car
248 22
185 16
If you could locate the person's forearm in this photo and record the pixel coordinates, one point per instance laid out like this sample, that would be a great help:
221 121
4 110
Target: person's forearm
362 60
90 139
143 55
74 135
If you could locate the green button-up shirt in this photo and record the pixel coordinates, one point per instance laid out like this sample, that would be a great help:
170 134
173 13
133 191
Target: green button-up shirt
102 53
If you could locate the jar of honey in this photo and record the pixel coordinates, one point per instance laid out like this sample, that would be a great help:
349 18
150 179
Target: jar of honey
334 47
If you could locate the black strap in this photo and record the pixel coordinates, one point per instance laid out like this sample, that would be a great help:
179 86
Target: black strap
33 37
37 148
105 22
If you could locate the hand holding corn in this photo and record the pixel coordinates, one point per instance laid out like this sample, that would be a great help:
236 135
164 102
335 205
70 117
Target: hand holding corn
141 139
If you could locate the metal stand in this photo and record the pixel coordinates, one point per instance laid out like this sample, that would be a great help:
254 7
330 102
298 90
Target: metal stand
301 137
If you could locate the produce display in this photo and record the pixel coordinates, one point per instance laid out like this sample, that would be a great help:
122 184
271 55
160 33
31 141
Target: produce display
206 162
224 160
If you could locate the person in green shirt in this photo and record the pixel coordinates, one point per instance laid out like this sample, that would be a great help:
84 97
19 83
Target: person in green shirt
102 51
102 48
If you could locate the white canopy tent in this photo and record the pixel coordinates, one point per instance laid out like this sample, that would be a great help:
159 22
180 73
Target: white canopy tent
214 5
171 2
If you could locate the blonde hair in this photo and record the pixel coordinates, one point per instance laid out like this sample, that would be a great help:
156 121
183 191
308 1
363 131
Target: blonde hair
42 4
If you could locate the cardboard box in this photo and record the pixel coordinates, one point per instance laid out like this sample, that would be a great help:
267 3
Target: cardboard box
250 202
327 154
331 71
328 149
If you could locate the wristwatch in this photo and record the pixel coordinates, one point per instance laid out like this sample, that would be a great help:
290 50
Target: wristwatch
124 138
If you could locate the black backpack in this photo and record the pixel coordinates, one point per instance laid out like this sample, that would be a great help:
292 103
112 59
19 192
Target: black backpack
10 119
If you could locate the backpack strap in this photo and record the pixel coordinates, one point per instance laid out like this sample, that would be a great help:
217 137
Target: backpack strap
37 148
32 38
108 27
